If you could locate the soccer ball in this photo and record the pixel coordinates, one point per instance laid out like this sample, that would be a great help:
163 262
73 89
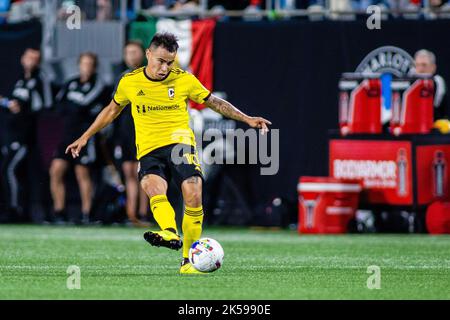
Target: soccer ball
206 255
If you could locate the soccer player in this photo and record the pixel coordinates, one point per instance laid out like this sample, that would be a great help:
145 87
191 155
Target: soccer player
158 94
81 99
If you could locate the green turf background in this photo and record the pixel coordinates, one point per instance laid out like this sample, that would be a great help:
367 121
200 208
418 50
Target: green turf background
116 263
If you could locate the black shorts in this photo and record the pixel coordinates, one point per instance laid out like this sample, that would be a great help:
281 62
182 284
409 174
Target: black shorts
88 154
183 164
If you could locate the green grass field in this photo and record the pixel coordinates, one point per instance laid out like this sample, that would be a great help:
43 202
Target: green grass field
116 263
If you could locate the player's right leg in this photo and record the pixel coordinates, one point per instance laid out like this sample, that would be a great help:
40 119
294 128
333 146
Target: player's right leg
156 189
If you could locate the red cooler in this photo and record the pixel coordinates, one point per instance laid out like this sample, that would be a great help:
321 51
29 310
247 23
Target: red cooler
326 205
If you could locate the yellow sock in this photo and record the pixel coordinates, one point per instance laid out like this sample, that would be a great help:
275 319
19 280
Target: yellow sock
163 212
192 227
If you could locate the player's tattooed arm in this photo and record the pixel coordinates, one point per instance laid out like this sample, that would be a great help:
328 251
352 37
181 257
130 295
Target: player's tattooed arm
225 108
228 110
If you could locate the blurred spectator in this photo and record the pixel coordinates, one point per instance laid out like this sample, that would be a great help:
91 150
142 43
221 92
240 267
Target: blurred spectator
232 4
340 9
401 4
31 94
186 5
437 8
65 11
361 5
435 4
100 10
159 5
80 100
89 8
425 63
253 11
125 148
287 4
104 10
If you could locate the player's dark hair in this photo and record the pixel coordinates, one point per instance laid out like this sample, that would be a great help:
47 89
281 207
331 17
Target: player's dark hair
166 40
91 55
137 43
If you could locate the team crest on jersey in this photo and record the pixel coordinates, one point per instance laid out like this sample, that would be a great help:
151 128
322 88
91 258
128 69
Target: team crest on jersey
171 92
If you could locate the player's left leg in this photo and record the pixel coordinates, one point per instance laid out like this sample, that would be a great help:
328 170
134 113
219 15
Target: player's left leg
192 220
193 216
189 177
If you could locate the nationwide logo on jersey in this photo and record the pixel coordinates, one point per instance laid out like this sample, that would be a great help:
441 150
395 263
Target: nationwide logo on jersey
171 92
141 93
146 109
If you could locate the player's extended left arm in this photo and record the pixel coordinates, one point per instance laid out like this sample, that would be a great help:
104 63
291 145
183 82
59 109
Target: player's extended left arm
228 110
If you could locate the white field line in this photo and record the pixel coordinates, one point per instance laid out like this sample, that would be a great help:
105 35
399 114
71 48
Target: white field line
260 238
363 267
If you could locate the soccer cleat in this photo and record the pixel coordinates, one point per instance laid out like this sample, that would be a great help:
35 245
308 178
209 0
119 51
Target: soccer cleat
189 269
163 238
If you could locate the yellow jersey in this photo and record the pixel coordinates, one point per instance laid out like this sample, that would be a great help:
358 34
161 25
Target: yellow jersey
159 107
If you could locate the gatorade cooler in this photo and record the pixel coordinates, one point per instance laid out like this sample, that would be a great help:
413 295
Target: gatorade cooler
360 103
412 105
326 205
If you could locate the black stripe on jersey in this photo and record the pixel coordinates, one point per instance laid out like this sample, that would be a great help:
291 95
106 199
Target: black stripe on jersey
155 80
207 97
134 72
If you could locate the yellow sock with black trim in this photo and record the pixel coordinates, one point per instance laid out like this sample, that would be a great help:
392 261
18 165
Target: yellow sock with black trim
163 212
192 227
